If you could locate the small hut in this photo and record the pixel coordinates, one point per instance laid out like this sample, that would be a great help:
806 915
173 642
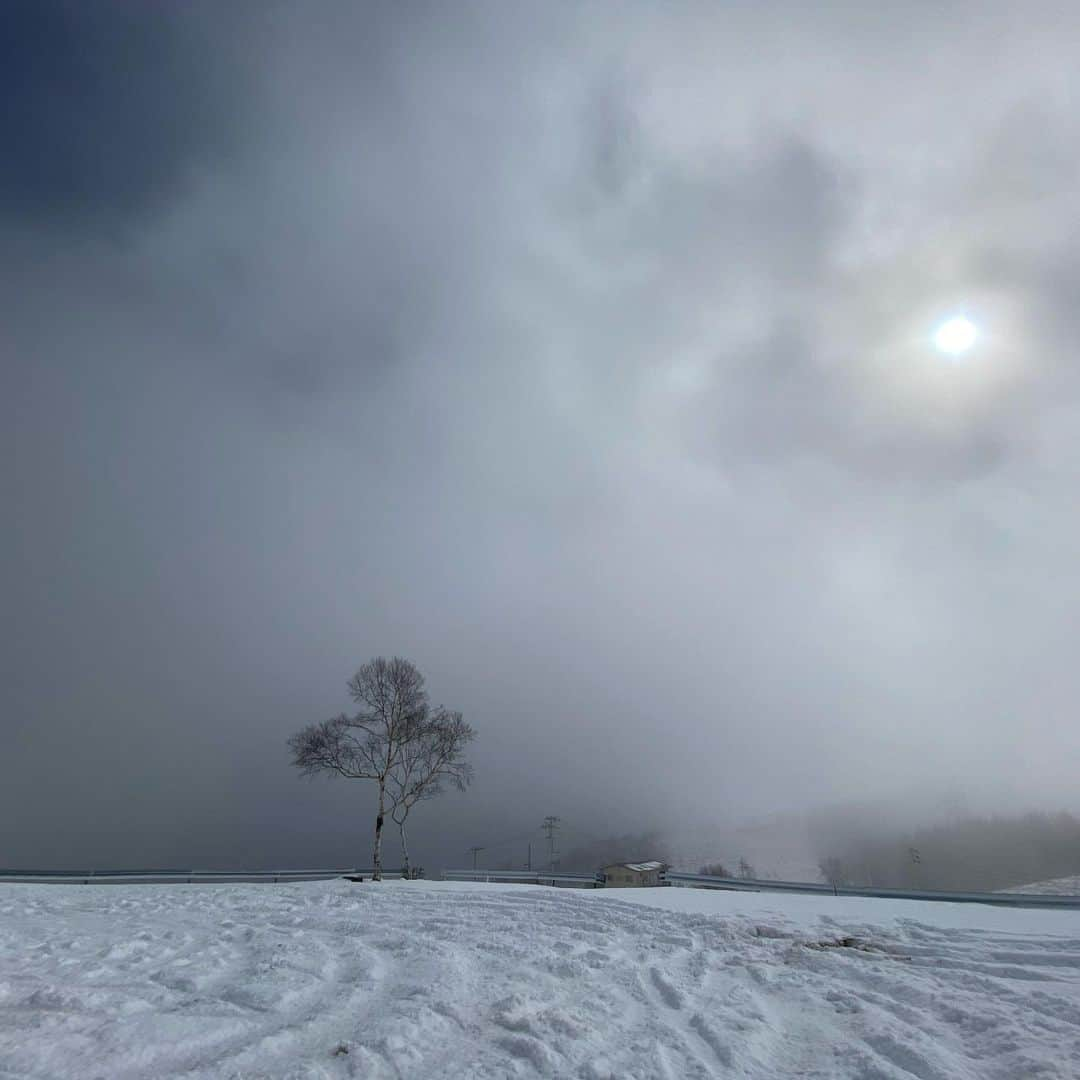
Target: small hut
632 875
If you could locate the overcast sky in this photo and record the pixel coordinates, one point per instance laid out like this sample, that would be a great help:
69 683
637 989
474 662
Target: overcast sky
580 353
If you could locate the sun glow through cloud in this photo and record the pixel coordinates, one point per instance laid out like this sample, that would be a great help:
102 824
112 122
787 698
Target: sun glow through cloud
955 336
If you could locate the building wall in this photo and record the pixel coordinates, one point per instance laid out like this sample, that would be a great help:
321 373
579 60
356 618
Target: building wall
619 877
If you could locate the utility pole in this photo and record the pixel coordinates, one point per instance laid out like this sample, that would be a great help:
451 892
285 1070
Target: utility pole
475 851
551 827
528 862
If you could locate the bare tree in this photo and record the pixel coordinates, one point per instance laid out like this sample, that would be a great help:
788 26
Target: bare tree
394 714
834 871
426 765
746 870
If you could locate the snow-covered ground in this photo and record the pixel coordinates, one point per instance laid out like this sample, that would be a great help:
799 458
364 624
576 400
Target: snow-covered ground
1062 886
415 979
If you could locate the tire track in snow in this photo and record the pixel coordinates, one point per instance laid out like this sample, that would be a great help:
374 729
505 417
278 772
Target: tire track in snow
421 980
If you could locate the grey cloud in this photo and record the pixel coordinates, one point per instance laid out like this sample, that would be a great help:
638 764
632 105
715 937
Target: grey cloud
569 356
109 109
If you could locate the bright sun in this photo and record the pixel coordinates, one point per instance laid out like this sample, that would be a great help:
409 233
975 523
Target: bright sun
955 336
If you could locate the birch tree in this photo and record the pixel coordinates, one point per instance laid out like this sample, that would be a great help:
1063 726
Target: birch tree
394 714
426 766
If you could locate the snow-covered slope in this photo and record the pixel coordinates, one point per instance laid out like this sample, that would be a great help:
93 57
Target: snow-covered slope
413 979
1062 886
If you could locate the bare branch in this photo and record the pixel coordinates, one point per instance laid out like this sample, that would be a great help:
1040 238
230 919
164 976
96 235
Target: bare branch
430 762
330 747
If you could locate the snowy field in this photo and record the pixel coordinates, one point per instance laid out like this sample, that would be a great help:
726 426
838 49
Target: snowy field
415 979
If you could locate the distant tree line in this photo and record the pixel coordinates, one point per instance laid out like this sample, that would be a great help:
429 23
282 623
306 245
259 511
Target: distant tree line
982 854
411 750
718 869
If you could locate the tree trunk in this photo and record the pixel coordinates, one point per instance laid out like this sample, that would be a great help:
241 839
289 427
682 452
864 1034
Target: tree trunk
377 872
404 851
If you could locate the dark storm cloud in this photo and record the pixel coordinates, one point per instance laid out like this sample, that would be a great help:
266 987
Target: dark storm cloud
583 360
108 109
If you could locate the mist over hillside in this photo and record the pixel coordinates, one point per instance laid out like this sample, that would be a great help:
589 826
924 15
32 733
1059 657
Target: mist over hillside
940 845
974 853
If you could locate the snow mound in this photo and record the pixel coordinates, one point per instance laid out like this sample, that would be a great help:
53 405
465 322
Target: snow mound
334 980
1062 886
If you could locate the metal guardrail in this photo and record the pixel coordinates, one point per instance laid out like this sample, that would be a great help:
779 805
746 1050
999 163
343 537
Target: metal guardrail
1003 899
526 877
166 877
